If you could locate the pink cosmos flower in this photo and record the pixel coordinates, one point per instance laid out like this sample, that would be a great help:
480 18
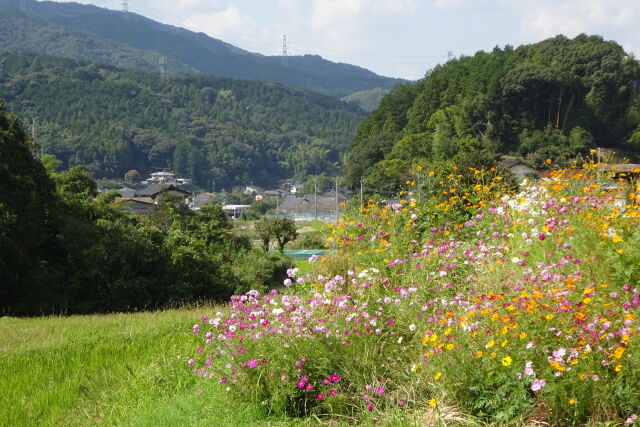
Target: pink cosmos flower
538 384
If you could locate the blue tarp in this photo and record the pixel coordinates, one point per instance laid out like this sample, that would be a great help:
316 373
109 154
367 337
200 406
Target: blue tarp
302 253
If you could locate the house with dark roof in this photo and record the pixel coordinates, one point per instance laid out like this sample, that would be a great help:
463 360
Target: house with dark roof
137 205
155 191
126 192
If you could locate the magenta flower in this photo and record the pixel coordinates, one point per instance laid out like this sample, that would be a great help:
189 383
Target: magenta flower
320 396
334 378
370 407
252 363
333 392
380 391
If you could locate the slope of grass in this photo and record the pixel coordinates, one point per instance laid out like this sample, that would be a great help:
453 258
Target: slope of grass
123 369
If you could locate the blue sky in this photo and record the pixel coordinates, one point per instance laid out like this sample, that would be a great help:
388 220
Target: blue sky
397 38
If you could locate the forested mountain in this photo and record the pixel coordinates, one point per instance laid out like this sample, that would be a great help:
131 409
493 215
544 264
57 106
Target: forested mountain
551 100
21 32
110 36
206 128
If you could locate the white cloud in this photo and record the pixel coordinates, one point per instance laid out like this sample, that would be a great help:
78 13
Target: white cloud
613 19
343 20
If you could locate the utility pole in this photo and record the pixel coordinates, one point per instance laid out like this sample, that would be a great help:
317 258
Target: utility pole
125 6
337 203
361 189
285 62
598 154
315 195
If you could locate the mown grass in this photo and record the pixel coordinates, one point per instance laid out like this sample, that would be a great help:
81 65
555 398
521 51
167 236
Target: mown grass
117 369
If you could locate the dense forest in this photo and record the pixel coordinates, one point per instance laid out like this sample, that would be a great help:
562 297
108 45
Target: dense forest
205 128
65 249
97 34
547 103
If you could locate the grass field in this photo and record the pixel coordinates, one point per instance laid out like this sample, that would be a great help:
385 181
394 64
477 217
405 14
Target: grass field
118 369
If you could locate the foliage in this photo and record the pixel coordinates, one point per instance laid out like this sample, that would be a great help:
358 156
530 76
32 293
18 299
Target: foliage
552 100
515 306
283 230
64 250
206 128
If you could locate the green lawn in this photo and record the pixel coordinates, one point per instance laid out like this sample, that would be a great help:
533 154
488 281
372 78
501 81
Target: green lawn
119 369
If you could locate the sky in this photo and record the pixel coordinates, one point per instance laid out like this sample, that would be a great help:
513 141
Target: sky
395 38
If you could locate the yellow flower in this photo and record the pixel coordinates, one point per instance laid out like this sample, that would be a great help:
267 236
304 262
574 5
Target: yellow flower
415 367
437 376
549 316
449 346
618 368
506 361
433 402
572 401
479 354
618 352
419 168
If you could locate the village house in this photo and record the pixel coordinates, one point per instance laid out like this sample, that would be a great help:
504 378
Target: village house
155 191
519 169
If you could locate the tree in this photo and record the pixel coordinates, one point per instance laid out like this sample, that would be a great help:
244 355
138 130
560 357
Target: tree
77 180
132 176
282 229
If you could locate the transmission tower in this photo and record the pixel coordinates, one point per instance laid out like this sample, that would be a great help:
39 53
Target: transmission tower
162 62
284 50
23 5
449 55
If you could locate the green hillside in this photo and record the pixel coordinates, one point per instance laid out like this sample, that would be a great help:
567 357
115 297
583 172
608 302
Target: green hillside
206 128
551 100
185 50
28 33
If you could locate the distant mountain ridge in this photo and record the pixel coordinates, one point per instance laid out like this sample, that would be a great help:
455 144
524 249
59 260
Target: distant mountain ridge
205 128
186 51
